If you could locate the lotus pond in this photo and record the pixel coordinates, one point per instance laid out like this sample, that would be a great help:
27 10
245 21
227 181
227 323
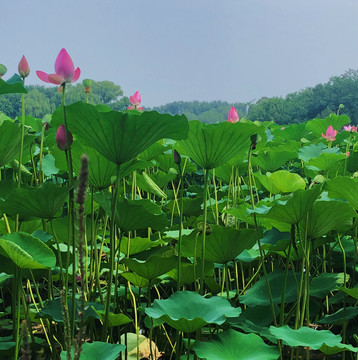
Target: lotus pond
130 235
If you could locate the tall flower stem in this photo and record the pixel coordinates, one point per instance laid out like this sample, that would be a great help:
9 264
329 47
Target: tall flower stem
71 212
21 149
262 254
18 289
180 226
206 178
111 255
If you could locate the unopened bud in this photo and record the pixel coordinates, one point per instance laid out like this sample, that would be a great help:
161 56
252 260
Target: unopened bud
177 157
24 69
61 138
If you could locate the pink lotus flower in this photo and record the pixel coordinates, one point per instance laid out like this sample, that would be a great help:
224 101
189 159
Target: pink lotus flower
135 100
64 68
24 69
330 134
283 128
347 153
233 117
350 128
61 138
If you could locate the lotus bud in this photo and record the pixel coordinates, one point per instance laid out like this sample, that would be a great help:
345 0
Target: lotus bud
61 138
3 70
177 157
256 138
23 68
233 117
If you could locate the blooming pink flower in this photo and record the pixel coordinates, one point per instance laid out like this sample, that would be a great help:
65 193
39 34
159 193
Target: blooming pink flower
330 134
64 68
135 100
233 117
283 128
61 138
23 67
350 128
347 153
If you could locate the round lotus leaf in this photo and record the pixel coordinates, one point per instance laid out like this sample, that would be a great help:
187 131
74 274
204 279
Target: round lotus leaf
188 311
232 345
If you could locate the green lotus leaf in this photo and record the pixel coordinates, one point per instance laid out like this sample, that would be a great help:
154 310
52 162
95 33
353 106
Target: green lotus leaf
117 136
223 244
188 311
153 151
281 181
257 295
351 292
326 216
15 88
43 202
27 252
225 172
10 139
145 182
133 214
49 167
272 159
213 145
258 315
53 310
320 126
153 267
165 162
100 170
326 161
97 351
339 316
191 207
343 188
352 162
188 275
162 179
135 245
136 279
308 337
324 283
290 132
296 207
114 319
232 345
312 151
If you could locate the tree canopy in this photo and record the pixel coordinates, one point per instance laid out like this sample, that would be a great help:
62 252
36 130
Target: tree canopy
318 101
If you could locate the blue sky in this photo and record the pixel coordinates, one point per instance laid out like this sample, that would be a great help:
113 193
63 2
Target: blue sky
233 50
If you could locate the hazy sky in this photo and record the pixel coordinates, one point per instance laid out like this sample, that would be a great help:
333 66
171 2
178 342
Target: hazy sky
233 50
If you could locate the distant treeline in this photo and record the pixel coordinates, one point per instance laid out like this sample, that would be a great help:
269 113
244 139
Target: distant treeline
41 100
312 102
318 101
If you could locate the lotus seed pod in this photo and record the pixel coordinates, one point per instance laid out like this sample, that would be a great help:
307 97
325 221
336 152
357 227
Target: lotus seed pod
87 82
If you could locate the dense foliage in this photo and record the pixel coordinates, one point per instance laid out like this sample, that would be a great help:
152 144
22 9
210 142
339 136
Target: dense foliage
318 101
42 100
135 234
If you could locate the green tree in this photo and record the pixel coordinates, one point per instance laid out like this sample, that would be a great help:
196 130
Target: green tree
107 91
